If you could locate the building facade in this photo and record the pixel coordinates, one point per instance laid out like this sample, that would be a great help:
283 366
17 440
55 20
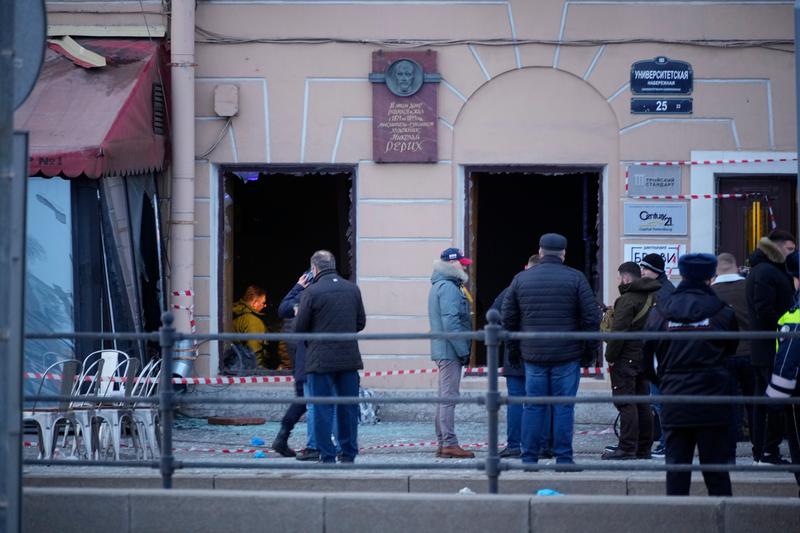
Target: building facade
544 114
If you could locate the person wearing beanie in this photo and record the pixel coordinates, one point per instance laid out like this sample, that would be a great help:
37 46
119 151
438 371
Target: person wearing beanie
783 383
696 368
551 297
653 267
769 290
637 296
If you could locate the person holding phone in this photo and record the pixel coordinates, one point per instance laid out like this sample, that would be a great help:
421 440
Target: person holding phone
287 310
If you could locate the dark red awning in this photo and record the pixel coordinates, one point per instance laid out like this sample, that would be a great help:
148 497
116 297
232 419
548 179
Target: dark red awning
99 121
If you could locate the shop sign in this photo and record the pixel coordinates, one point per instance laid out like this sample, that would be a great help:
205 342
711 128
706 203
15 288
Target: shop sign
404 116
661 76
662 218
669 252
646 180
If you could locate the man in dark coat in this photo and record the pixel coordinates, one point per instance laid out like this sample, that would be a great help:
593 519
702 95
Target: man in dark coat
514 372
286 310
653 267
331 304
694 367
637 296
550 297
769 294
730 287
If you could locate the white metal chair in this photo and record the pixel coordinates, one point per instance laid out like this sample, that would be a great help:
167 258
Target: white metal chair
82 414
145 415
48 417
111 416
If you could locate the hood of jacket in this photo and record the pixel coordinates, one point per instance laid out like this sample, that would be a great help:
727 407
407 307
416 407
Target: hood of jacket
692 301
241 308
767 252
640 285
444 270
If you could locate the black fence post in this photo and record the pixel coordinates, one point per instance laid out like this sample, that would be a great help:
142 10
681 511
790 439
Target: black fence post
166 338
492 332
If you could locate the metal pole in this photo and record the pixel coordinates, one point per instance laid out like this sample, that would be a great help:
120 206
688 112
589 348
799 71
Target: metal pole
797 103
492 330
167 398
9 410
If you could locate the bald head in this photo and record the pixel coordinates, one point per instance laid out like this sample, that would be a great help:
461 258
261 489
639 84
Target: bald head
726 264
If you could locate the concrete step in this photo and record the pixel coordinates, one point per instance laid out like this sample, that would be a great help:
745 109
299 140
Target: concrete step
583 483
88 510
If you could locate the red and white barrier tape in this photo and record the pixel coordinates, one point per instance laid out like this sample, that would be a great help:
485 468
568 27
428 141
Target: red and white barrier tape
701 163
692 162
249 380
188 308
396 445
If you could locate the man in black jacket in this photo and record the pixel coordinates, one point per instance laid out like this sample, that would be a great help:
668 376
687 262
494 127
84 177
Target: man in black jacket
637 296
730 287
514 372
694 367
331 304
550 297
653 267
770 293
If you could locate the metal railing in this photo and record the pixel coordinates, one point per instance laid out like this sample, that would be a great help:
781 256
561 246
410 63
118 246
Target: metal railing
493 334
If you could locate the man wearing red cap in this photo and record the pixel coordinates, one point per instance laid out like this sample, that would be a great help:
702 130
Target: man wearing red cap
449 310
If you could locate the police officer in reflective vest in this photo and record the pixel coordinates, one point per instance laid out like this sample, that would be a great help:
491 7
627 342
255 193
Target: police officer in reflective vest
783 383
694 367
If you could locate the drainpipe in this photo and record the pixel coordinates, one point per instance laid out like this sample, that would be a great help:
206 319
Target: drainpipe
181 241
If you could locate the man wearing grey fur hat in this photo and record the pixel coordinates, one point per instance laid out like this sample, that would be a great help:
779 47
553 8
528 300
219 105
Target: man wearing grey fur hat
696 368
449 310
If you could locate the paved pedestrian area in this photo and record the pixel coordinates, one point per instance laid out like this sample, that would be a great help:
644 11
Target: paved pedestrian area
393 442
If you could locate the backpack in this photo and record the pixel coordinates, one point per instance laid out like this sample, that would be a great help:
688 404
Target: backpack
608 316
239 360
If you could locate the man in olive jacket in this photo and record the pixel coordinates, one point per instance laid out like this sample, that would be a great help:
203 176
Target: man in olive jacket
331 304
248 318
637 296
449 310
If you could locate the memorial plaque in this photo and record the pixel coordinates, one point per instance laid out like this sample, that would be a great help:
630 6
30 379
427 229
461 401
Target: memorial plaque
662 218
645 180
404 114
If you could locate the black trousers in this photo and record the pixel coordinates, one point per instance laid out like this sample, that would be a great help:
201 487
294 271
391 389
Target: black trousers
766 433
635 419
296 410
712 447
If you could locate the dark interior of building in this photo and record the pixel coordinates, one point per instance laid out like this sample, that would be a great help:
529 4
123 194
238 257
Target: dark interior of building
279 220
508 212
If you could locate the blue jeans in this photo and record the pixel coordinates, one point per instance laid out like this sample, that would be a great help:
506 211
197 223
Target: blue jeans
344 383
555 380
311 443
516 387
655 391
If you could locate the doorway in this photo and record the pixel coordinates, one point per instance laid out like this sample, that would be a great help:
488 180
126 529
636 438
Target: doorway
508 209
741 222
273 220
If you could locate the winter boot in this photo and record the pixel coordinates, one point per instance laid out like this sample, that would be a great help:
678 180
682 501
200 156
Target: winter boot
281 443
